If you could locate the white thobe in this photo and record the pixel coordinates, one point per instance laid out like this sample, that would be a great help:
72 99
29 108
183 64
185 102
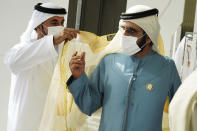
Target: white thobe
183 107
31 65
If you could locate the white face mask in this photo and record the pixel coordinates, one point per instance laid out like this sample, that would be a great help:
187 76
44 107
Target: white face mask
129 45
55 30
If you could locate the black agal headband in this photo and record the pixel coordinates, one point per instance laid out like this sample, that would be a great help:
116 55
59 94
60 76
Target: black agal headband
126 16
50 10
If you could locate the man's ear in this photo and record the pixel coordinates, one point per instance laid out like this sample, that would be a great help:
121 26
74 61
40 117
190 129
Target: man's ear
148 40
39 31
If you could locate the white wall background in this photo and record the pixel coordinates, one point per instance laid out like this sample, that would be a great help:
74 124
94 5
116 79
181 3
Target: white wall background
14 17
170 19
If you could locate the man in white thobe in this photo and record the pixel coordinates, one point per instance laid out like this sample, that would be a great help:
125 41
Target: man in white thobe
32 62
183 107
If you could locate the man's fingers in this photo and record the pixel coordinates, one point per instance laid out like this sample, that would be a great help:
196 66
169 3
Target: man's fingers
71 29
74 54
73 34
68 30
76 58
83 56
76 66
77 62
68 36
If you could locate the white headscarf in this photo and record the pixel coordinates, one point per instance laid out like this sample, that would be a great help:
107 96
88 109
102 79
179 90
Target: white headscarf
36 19
149 24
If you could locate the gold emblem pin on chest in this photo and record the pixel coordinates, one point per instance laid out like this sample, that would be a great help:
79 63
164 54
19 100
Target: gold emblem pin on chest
149 87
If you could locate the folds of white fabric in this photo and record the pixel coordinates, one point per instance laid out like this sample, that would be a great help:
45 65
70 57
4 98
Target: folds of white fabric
185 57
32 66
182 109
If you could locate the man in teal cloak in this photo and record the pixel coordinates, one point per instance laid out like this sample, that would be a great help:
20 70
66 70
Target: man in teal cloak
131 86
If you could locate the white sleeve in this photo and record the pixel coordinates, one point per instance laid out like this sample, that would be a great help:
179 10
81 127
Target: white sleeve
27 55
178 58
